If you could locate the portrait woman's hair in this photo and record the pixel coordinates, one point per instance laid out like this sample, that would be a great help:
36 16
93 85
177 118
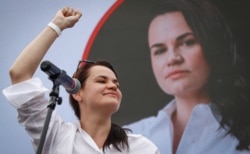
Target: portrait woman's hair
227 87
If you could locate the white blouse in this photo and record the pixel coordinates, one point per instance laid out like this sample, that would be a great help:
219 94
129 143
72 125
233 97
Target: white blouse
201 135
28 98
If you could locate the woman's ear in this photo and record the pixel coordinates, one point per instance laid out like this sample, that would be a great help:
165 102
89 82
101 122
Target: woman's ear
77 96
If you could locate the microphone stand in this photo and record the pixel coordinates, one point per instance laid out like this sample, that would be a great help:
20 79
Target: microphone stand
54 99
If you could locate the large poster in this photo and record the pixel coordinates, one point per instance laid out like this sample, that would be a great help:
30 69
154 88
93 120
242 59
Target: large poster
123 41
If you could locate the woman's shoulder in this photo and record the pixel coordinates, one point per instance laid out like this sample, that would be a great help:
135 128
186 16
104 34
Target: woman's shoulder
141 144
146 125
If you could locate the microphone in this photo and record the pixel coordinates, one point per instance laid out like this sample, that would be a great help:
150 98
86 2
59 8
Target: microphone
71 85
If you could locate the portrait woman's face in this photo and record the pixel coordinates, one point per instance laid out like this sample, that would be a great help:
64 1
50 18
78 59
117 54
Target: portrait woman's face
101 92
177 58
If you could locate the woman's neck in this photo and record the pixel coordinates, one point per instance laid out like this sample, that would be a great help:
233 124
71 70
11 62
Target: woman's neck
97 128
185 104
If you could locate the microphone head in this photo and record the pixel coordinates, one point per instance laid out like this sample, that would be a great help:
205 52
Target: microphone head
45 66
76 87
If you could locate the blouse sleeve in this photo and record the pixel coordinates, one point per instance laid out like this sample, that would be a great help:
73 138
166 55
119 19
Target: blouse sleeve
29 99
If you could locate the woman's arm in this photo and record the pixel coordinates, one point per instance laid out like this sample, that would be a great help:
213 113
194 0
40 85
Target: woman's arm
27 62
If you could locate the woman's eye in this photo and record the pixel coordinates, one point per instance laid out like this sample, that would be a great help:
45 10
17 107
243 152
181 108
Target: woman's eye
101 81
159 51
188 42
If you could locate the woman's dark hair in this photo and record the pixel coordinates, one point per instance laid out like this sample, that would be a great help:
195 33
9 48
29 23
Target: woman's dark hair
227 88
117 135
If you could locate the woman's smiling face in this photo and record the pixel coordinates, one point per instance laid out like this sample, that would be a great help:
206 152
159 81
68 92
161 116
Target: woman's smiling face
101 91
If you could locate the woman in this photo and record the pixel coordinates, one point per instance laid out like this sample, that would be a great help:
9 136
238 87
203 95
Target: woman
194 59
94 104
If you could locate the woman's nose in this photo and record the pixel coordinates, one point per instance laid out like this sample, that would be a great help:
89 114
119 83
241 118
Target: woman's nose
112 85
174 58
